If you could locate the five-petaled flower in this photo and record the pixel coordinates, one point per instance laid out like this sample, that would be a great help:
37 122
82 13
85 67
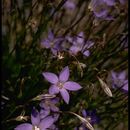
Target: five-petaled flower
52 43
61 83
37 123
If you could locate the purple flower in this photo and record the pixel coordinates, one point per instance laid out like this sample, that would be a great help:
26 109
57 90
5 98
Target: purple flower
52 43
44 113
101 8
61 83
50 104
120 80
79 45
89 115
69 5
37 123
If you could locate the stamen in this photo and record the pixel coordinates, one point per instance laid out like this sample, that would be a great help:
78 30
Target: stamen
60 85
36 128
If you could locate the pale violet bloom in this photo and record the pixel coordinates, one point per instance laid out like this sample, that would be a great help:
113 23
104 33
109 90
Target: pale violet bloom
37 123
44 113
50 104
52 43
61 84
101 8
79 45
119 80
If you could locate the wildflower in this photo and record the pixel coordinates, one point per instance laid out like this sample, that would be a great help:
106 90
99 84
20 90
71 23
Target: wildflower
61 83
44 113
52 43
90 116
79 45
48 107
49 104
37 124
119 80
101 8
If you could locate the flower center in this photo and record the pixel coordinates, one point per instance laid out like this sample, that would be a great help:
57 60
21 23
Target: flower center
60 85
36 128
52 44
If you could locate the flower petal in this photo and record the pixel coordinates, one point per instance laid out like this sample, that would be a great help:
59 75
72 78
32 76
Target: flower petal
125 87
24 126
45 43
35 117
72 86
80 38
56 116
88 44
122 75
44 105
64 74
100 14
69 5
110 2
75 49
50 77
54 108
53 89
50 35
65 95
114 75
46 122
86 53
44 113
55 100
84 113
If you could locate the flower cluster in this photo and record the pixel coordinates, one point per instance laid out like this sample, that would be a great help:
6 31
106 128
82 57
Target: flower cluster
37 123
49 112
72 44
79 48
